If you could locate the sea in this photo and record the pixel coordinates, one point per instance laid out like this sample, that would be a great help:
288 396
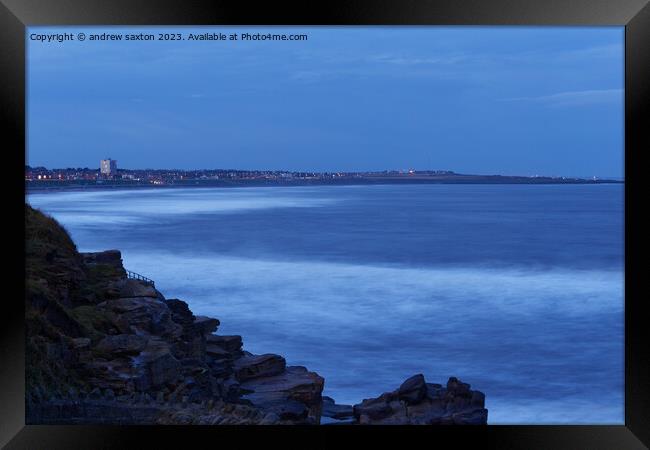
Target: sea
517 290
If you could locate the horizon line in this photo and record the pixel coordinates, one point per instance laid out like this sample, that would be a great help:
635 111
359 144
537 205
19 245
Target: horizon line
409 170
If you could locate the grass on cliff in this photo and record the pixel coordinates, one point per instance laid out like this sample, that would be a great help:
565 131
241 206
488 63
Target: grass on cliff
53 266
94 322
46 241
58 287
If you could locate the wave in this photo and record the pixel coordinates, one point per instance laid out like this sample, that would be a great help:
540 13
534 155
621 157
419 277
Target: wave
514 290
126 207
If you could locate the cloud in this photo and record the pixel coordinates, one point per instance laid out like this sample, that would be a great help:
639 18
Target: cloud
575 98
306 76
400 60
603 51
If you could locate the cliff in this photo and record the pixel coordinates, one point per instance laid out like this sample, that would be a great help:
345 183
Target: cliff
104 348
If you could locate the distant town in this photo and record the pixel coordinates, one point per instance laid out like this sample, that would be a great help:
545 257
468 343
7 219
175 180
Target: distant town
109 175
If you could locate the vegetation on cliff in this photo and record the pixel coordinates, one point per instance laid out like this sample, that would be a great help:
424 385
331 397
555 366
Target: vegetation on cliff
61 292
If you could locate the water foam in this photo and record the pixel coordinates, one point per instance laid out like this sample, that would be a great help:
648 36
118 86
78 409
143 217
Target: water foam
127 207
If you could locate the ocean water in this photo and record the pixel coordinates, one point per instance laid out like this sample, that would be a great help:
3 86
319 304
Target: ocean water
515 289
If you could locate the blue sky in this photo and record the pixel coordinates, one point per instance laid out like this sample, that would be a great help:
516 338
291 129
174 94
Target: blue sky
508 100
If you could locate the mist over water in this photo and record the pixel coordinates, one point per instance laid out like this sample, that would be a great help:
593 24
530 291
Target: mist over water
515 289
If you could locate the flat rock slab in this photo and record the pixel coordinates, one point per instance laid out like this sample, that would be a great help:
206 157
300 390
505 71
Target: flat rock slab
217 352
142 315
230 344
112 257
285 392
81 343
206 325
130 344
111 374
258 366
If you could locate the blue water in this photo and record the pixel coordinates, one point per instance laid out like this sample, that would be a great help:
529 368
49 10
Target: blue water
515 289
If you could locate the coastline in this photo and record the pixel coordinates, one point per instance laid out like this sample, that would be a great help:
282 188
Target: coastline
106 347
58 186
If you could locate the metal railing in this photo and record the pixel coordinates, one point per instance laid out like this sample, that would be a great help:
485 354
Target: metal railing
137 276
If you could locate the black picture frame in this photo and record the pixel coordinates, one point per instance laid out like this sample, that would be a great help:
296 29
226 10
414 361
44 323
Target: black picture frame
15 15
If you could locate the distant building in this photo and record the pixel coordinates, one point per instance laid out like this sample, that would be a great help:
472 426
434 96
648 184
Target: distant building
108 167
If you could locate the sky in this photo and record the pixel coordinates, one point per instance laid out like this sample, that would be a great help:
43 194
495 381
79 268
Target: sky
482 100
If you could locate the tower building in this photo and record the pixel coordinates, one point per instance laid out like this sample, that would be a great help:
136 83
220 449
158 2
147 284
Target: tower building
108 167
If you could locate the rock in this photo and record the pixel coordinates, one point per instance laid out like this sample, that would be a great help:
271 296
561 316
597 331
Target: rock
270 419
193 366
435 391
413 390
416 402
206 325
249 367
426 412
136 362
56 315
217 353
109 395
229 344
142 315
181 418
111 373
158 366
478 399
221 368
241 411
292 410
472 417
129 287
196 347
81 343
181 313
230 389
455 387
110 257
73 393
205 385
283 394
331 409
375 409
129 344
95 394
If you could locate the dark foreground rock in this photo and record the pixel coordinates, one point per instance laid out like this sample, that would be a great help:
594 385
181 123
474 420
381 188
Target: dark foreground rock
106 349
258 366
292 394
416 402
